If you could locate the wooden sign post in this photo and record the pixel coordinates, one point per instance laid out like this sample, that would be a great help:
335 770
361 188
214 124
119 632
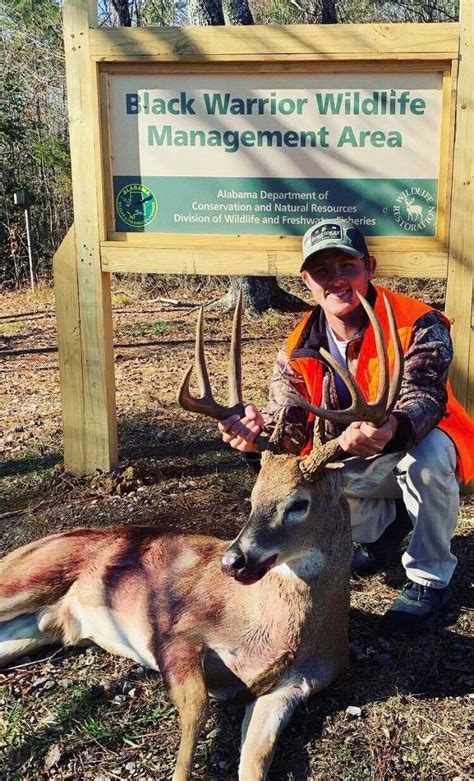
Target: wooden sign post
211 150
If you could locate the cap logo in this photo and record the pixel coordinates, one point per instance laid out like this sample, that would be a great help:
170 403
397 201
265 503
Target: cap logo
337 235
328 232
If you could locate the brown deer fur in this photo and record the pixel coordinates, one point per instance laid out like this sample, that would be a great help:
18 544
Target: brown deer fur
265 616
163 601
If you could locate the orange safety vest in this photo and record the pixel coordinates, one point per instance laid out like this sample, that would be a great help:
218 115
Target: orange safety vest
456 422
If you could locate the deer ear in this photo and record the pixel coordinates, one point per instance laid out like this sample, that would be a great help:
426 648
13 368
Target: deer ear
362 475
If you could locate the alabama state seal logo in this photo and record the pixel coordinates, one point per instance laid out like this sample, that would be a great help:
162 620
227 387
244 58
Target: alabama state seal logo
136 205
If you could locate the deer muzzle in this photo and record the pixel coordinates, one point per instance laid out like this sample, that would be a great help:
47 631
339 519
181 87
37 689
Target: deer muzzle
243 567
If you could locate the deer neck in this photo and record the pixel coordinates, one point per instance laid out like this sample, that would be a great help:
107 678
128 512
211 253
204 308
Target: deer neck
303 569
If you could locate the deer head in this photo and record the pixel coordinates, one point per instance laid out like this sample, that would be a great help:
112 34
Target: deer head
298 507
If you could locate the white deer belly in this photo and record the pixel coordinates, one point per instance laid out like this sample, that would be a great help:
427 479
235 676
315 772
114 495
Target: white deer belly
108 629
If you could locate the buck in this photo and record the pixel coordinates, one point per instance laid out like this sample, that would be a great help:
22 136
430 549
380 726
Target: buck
265 617
414 210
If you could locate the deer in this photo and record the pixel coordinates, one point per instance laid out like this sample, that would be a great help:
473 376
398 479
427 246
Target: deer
414 210
263 618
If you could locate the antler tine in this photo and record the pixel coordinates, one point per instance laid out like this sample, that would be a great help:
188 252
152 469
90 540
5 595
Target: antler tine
273 445
318 434
205 405
320 457
378 411
200 358
235 359
358 399
399 359
382 390
358 408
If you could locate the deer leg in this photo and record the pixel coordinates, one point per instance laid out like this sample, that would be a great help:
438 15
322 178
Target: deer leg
183 674
265 719
23 635
267 716
190 697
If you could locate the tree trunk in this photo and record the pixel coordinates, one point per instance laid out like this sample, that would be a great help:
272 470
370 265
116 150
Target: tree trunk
122 7
206 12
238 12
260 294
328 12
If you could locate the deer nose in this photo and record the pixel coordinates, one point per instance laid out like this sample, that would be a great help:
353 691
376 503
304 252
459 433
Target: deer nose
233 561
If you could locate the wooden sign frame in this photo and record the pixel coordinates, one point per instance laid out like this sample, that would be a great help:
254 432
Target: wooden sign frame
274 255
92 249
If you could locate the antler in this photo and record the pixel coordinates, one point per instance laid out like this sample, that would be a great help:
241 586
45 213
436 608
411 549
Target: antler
205 404
376 412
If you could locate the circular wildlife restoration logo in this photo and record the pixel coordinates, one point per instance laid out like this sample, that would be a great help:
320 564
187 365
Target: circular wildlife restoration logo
414 209
136 205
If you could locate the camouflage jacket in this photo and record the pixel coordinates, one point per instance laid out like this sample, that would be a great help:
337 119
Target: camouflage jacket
422 400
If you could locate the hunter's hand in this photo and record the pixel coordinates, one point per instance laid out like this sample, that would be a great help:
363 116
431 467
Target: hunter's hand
362 439
240 433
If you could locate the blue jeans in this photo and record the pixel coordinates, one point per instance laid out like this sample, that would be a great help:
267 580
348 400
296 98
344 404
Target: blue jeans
425 478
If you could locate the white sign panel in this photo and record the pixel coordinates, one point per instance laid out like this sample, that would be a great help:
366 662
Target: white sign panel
270 154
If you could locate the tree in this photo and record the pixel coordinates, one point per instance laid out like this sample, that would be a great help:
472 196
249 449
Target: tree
206 12
353 11
124 12
238 12
328 12
33 135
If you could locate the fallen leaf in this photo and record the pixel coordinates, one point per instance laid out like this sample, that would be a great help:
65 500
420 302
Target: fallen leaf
53 756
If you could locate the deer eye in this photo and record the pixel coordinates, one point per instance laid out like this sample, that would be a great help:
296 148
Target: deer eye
297 509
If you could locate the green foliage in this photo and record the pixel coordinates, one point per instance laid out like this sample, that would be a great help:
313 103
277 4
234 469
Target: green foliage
278 12
156 328
33 136
355 11
159 13
363 11
160 328
272 319
53 153
121 299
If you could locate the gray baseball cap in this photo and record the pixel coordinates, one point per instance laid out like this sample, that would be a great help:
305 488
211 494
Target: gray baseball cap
333 234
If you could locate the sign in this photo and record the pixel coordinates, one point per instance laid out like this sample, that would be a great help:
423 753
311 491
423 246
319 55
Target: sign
272 154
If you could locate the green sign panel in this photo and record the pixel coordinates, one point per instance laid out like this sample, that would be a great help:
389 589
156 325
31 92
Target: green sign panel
274 206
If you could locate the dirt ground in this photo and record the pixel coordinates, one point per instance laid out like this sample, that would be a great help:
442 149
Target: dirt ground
81 714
